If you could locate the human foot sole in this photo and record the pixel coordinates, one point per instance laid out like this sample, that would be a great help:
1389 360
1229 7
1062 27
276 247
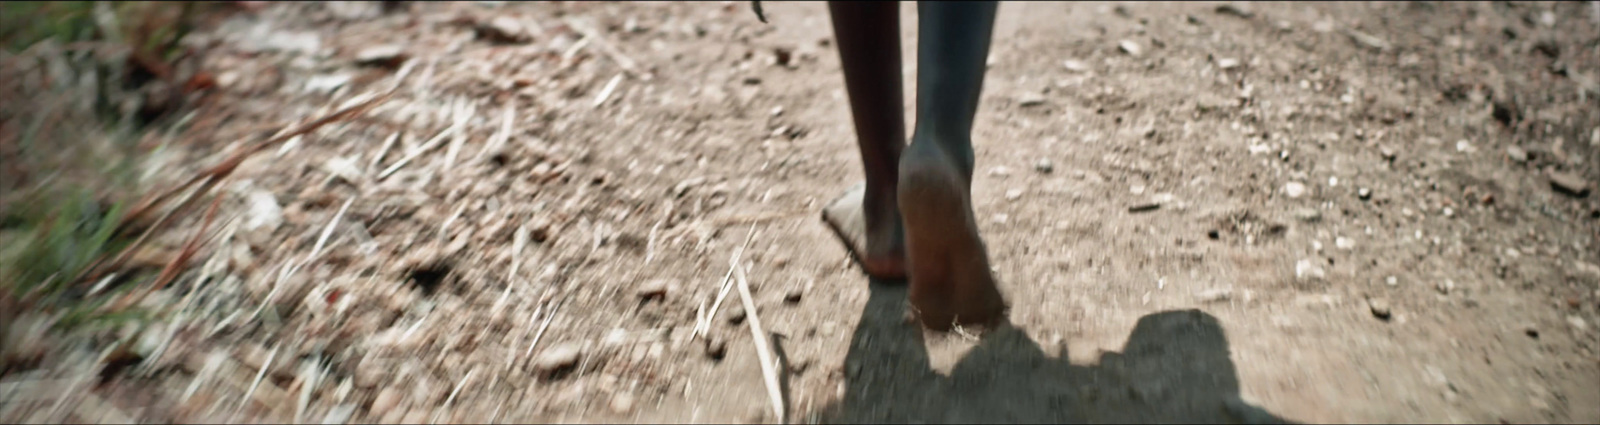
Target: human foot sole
949 271
846 216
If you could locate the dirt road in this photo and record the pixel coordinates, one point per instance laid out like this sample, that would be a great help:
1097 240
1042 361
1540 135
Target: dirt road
1308 212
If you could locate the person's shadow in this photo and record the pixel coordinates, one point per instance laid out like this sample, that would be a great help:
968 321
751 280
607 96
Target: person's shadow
1174 369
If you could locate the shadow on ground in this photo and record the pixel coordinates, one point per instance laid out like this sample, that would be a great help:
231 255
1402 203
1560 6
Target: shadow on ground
1175 368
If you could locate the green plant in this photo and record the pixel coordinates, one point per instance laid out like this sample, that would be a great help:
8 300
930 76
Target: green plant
72 157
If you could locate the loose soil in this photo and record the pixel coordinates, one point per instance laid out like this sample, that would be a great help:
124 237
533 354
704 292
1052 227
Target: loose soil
1305 212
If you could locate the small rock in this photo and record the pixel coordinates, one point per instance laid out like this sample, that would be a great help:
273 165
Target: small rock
1569 184
1000 218
1144 207
716 347
1387 153
622 403
1391 281
1235 10
1445 287
1214 295
557 358
1531 331
1367 40
504 29
1013 194
793 296
1364 193
343 168
306 43
736 315
800 365
264 212
1308 270
1465 147
1308 215
1227 63
1294 189
1344 243
1030 99
387 55
776 111
1516 154
1000 171
388 398
1075 65
1130 47
655 289
1577 323
326 83
1379 308
1044 166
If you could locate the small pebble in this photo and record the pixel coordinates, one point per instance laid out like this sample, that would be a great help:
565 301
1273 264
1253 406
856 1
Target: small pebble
557 358
716 347
1391 280
1364 193
385 402
1000 171
1214 295
1030 99
1000 218
1075 65
1344 243
1445 286
1577 323
1294 189
736 315
1144 207
1044 166
622 403
1387 153
1569 184
655 289
1305 269
1235 10
1379 308
1308 215
1013 194
1130 47
793 296
386 55
1227 63
1516 154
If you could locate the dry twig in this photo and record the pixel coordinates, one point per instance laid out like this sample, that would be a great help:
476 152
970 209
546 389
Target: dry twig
769 365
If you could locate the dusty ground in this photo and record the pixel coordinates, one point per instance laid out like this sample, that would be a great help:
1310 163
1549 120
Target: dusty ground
1353 221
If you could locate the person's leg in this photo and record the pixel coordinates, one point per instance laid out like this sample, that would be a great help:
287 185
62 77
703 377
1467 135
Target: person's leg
948 264
868 36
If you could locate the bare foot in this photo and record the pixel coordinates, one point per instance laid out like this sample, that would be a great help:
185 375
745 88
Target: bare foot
877 242
949 267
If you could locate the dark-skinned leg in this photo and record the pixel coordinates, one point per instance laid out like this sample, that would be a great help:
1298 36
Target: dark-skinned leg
868 35
948 264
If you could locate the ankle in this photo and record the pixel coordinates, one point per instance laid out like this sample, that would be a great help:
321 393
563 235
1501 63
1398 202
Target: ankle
957 152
